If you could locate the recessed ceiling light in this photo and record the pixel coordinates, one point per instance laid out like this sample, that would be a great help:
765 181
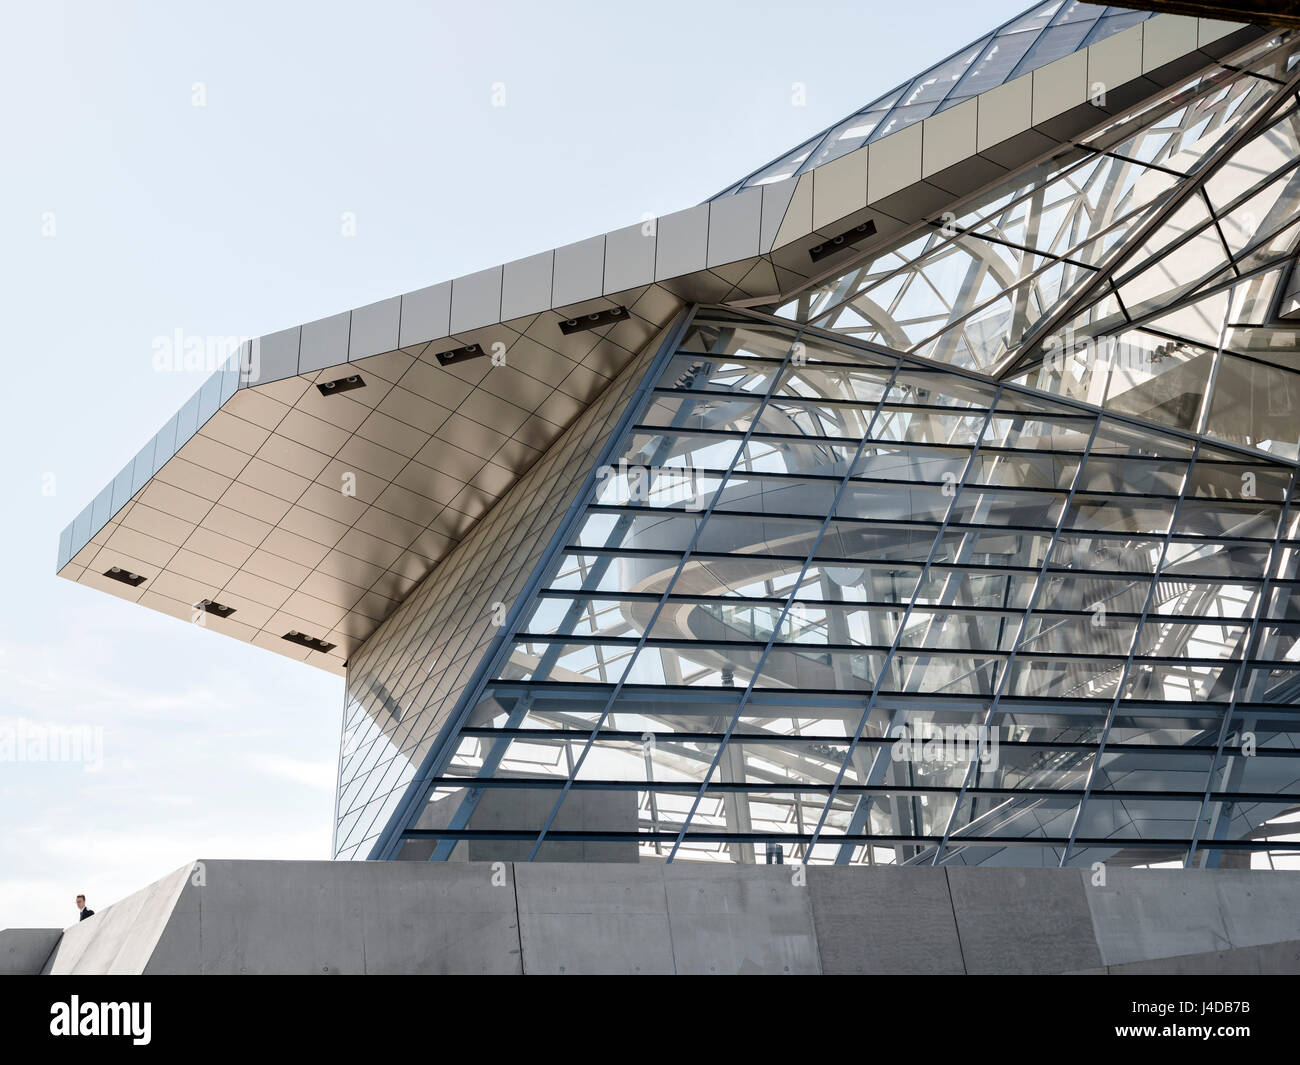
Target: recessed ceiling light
343 384
125 576
592 321
842 241
469 351
303 640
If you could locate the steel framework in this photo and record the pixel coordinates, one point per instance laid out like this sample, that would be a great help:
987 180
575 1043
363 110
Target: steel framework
979 551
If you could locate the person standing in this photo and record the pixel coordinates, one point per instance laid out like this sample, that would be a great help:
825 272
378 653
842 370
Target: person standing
81 905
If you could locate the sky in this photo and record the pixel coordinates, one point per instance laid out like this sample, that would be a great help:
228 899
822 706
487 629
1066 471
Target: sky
189 167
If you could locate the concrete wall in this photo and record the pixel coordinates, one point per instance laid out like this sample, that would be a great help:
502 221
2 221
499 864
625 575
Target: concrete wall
120 938
685 918
480 917
1158 913
1271 960
341 917
24 951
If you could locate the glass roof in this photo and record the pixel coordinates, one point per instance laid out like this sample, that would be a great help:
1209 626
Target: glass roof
1141 273
1041 35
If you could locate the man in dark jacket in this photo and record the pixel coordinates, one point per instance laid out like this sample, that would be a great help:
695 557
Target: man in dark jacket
81 905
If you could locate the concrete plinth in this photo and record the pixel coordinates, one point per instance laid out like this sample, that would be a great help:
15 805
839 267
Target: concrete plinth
502 917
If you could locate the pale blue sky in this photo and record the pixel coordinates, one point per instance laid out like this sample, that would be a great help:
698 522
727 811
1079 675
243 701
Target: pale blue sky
224 220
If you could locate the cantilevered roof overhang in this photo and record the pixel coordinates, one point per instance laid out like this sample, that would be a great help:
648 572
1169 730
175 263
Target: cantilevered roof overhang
272 507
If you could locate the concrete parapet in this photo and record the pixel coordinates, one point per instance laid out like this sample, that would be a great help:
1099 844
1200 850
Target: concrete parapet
614 918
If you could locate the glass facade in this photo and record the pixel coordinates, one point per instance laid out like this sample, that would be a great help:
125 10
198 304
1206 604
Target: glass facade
1143 272
979 551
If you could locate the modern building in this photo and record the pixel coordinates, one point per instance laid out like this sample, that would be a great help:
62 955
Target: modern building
924 498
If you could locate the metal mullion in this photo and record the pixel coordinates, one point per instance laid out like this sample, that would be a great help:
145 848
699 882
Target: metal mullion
1145 165
779 475
936 369
920 651
1178 197
875 605
1027 249
1218 229
724 836
902 625
764 437
950 323
1197 294
1253 73
686 554
975 567
1229 259
1242 670
921 364
1020 634
785 610
1211 381
777 739
1128 666
916 265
